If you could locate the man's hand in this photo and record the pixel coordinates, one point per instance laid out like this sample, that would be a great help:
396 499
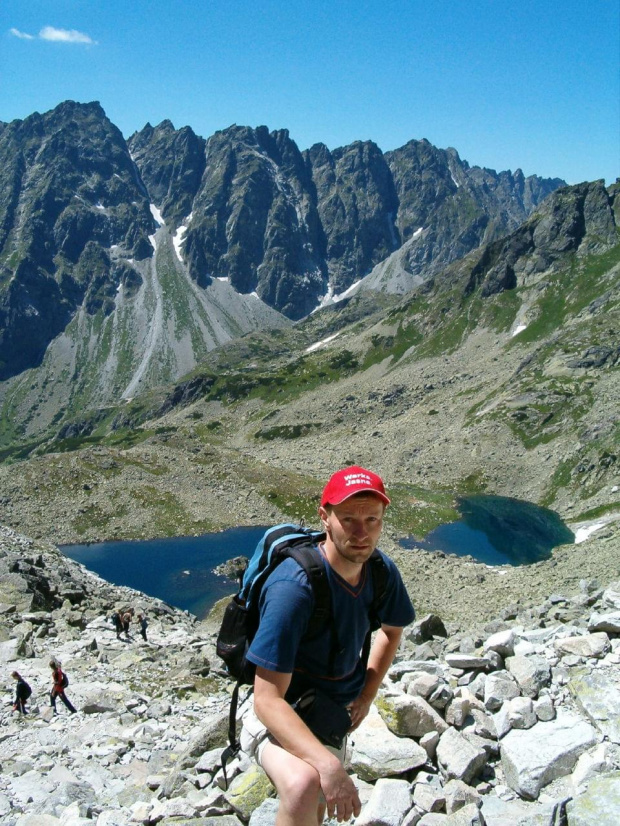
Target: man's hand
342 799
358 710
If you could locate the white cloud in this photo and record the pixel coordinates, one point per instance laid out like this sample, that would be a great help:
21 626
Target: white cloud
64 35
56 35
21 35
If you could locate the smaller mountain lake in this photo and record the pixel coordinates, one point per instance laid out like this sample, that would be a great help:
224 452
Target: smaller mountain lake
498 530
178 571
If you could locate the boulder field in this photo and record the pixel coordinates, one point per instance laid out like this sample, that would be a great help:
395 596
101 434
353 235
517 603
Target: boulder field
515 723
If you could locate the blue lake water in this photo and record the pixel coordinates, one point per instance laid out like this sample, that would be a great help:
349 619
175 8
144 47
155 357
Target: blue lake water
178 571
494 529
498 530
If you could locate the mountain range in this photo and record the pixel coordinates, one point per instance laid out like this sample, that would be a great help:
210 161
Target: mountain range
123 262
172 365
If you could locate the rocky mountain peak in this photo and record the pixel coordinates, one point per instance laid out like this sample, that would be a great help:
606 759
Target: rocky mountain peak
69 192
245 207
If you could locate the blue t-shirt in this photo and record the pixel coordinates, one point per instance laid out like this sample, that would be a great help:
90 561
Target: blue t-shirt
286 604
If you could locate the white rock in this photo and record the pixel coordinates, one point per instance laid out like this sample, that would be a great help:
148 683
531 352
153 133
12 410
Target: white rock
611 596
458 758
544 708
376 752
588 645
609 622
499 687
591 764
503 642
521 712
389 803
531 673
532 758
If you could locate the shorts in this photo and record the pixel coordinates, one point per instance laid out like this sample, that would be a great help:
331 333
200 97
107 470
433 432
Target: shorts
255 736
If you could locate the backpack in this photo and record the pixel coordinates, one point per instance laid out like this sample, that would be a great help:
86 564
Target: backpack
26 690
242 615
65 680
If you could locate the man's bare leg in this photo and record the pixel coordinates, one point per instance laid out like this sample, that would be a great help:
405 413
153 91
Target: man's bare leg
298 787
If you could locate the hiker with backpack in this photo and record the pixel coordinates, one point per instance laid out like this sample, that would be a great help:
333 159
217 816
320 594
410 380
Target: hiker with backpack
127 618
22 693
59 682
117 622
143 623
313 685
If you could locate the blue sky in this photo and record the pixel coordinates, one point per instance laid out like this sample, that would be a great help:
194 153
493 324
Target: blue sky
508 83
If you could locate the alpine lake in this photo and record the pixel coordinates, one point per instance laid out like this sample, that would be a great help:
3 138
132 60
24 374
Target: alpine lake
495 530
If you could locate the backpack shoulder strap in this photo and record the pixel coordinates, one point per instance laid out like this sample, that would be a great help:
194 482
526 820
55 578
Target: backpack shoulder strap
379 573
310 559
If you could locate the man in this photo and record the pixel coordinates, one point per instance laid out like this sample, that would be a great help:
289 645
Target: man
22 693
309 776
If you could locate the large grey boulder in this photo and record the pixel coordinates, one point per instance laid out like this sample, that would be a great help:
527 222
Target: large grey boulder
389 803
599 805
458 758
532 758
376 752
531 672
597 693
588 645
409 716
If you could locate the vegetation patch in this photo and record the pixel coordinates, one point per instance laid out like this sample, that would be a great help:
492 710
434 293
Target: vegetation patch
293 494
287 431
597 513
94 517
169 517
415 511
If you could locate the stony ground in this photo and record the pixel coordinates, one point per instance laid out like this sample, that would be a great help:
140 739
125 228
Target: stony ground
202 469
461 720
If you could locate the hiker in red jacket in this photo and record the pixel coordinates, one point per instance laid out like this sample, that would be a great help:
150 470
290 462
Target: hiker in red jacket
59 683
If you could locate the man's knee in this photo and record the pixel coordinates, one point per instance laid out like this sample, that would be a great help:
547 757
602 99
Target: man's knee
300 790
297 782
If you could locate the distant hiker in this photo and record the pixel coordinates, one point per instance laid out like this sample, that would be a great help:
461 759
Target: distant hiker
22 693
127 617
59 682
117 622
142 620
292 744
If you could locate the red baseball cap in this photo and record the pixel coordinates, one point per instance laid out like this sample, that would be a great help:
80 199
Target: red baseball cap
349 481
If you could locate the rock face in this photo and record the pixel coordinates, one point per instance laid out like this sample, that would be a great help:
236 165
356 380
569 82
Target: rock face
146 742
246 204
69 195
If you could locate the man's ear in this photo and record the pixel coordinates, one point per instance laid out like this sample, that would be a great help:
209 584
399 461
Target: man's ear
323 516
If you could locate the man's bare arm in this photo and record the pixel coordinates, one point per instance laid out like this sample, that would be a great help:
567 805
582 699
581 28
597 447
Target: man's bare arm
382 654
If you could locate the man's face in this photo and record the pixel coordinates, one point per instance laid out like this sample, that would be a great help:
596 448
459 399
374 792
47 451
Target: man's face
353 527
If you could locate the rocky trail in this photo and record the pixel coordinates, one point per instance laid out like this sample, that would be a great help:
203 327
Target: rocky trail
511 722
